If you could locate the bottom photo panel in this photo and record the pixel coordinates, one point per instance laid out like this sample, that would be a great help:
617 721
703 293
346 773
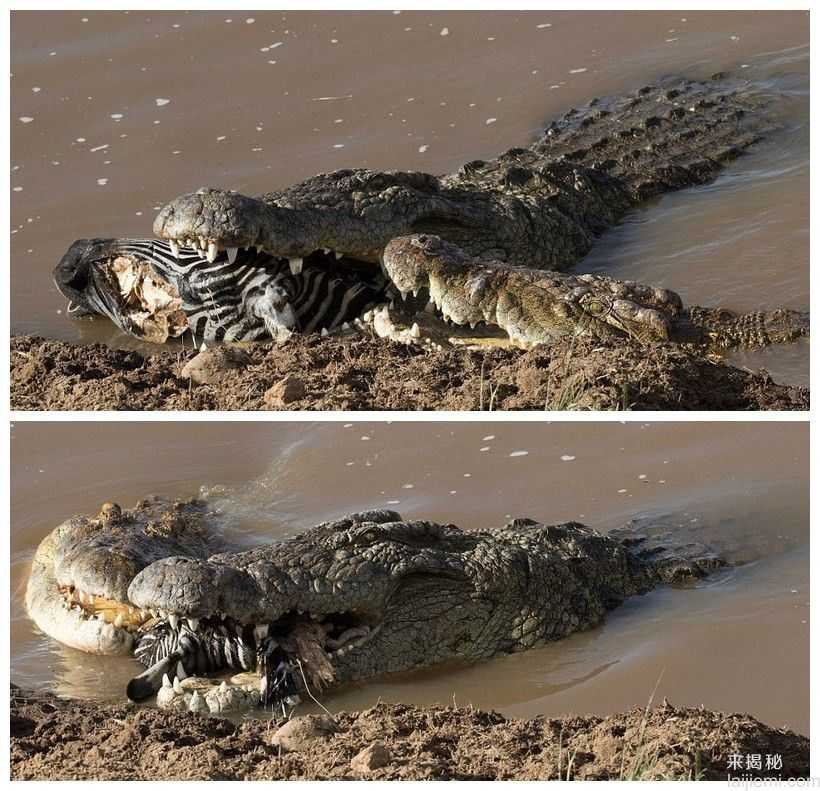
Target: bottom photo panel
410 600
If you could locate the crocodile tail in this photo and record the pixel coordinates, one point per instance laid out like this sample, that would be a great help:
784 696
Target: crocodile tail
673 134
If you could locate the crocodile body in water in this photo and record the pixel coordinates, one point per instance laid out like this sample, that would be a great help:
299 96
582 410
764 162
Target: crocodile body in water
321 254
347 600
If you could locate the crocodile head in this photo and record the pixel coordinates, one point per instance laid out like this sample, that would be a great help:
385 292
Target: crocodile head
531 306
78 586
361 596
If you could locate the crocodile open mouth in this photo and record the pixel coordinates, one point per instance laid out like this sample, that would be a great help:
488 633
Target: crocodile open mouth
88 606
293 654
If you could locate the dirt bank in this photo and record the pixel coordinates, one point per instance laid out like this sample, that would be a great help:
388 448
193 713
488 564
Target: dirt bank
309 372
52 738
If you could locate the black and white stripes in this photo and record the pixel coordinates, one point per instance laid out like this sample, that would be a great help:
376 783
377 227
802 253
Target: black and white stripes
226 300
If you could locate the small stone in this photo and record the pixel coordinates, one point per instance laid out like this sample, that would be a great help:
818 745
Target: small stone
212 364
287 390
298 734
371 758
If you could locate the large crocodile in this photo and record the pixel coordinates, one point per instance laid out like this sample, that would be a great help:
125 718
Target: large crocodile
231 267
347 600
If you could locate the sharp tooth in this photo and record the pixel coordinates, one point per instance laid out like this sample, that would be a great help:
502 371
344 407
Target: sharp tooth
296 265
337 254
415 292
118 621
260 631
346 326
173 620
203 245
415 331
223 687
190 243
326 250
325 333
212 252
166 682
83 597
232 251
181 674
174 248
163 614
193 624
177 686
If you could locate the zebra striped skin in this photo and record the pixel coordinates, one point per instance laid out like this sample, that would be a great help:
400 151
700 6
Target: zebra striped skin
221 299
204 651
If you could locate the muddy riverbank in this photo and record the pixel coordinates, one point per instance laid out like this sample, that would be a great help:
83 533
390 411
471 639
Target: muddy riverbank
54 738
309 372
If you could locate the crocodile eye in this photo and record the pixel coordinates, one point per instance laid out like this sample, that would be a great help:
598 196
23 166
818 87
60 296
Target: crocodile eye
594 306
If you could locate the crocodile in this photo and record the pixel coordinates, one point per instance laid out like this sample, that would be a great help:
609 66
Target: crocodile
347 600
225 266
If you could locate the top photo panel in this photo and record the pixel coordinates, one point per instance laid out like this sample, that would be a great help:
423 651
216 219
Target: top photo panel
409 210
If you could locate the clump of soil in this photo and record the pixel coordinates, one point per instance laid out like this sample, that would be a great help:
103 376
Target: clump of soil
376 374
52 738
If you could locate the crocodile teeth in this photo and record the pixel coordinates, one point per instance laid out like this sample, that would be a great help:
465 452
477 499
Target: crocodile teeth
166 682
203 245
181 674
296 265
118 621
174 248
173 620
415 331
337 254
212 252
232 251
326 250
325 333
260 632
193 624
223 687
177 686
415 292
190 243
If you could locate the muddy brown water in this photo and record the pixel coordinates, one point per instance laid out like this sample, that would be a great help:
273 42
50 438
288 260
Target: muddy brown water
115 113
738 641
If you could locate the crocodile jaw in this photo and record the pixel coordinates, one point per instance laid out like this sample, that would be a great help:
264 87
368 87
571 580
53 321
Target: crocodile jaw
70 616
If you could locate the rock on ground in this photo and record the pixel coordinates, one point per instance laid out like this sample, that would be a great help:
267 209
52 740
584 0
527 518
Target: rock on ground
53 738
